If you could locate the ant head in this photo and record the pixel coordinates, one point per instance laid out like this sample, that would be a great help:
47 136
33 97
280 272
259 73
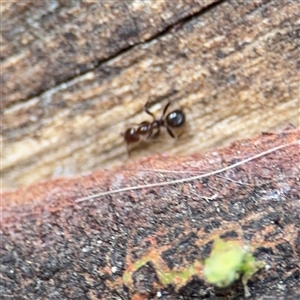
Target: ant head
175 118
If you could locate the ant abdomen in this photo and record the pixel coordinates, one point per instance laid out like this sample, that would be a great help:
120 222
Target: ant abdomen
131 136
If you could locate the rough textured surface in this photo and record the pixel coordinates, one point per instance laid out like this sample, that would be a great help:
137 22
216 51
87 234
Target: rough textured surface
77 73
121 246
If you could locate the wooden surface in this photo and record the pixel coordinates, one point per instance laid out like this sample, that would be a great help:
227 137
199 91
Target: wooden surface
122 245
77 74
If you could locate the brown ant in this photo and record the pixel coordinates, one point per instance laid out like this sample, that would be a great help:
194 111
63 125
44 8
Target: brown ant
148 130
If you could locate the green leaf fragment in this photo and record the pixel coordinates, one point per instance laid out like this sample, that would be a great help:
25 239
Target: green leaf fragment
229 261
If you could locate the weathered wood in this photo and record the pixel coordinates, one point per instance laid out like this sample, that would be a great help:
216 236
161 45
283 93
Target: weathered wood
119 246
48 43
76 74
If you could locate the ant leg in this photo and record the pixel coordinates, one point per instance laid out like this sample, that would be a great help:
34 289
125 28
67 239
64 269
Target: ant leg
128 152
170 132
165 109
146 108
149 136
156 134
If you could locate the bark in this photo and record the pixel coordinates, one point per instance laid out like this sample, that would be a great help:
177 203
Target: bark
124 245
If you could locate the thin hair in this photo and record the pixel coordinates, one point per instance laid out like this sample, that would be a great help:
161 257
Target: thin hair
187 179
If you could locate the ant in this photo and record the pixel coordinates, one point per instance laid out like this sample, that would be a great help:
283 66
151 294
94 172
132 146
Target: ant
148 130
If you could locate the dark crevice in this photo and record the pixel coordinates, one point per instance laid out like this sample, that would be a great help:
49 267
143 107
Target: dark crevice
165 31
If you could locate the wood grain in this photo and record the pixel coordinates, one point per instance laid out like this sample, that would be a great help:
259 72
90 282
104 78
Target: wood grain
77 74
